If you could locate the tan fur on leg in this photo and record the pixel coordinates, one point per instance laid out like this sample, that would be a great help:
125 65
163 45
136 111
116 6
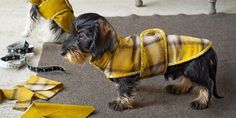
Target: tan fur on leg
126 102
203 95
183 87
201 102
122 103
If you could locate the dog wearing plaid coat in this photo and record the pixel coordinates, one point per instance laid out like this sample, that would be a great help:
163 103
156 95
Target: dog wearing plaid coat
126 60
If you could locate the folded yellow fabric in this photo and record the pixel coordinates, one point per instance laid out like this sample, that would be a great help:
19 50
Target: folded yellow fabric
35 87
50 110
58 10
150 53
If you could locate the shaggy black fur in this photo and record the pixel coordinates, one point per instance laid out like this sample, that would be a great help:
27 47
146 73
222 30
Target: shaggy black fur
86 37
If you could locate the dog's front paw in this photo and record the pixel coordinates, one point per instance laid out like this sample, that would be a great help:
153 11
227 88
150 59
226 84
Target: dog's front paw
198 105
119 105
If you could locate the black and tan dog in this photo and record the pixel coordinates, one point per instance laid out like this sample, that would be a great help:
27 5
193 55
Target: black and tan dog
126 60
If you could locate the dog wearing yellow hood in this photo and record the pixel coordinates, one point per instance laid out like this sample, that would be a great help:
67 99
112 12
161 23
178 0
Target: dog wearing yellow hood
55 16
126 60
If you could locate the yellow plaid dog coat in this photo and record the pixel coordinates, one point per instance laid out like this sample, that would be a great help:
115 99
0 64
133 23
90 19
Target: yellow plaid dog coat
150 54
58 10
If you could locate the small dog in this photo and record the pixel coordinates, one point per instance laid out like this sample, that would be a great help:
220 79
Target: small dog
92 35
55 16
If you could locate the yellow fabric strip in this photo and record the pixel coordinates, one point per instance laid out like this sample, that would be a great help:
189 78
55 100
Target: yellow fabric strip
36 86
50 110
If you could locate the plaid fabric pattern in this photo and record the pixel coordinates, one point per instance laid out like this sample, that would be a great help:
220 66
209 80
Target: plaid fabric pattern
185 48
35 87
59 10
125 60
150 54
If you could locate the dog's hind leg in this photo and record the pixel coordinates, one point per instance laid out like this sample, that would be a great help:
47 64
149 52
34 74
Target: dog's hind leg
31 21
198 71
183 87
126 88
204 96
206 68
212 73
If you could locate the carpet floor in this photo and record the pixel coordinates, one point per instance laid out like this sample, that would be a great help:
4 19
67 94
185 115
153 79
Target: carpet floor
86 85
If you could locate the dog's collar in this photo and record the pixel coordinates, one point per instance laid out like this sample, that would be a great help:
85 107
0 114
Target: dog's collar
18 57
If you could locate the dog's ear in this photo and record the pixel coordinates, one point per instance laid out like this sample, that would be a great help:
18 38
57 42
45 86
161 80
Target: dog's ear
105 39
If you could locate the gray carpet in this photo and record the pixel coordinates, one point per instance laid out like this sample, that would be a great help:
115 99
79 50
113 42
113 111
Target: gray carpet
86 85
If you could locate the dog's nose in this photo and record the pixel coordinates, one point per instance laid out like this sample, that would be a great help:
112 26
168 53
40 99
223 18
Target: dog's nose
63 52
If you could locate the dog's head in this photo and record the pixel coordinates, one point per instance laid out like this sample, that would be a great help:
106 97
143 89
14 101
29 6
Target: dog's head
92 35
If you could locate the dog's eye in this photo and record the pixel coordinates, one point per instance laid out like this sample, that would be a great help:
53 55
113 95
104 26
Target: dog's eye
82 37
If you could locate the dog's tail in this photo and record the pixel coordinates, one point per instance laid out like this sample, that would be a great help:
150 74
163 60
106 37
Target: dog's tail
213 69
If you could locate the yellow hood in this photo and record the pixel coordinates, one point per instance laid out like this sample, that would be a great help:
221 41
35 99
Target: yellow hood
150 54
58 10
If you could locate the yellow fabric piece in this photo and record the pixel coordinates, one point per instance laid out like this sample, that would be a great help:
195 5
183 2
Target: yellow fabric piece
58 10
35 87
150 54
50 110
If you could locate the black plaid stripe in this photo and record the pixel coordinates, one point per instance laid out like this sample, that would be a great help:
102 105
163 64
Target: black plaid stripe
154 66
150 61
135 49
153 42
179 51
203 43
37 83
174 43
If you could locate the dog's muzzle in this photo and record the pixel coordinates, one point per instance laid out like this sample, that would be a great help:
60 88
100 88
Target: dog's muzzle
75 56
